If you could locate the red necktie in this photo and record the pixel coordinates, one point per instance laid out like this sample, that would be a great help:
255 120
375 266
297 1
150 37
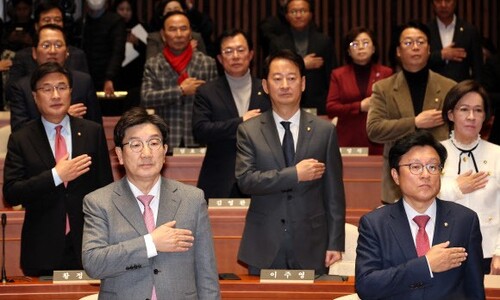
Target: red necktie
149 221
422 240
61 151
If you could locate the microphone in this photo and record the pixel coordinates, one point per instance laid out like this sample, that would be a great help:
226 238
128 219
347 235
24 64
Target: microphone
4 222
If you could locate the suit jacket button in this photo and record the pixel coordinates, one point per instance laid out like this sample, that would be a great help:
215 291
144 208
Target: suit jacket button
156 271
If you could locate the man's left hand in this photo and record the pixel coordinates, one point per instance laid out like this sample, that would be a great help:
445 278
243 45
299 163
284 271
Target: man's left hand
331 257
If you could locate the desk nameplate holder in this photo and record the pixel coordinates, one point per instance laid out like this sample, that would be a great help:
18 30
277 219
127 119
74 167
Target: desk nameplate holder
353 151
189 151
228 202
286 276
73 276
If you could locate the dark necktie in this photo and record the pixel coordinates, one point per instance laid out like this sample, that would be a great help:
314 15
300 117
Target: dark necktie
150 223
422 239
288 147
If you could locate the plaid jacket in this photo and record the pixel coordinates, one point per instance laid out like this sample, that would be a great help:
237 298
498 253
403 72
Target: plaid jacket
161 92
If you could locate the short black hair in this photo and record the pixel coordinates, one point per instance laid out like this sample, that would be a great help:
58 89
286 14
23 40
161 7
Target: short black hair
458 91
351 35
45 6
288 55
311 5
417 138
171 14
36 38
413 24
229 33
46 69
137 116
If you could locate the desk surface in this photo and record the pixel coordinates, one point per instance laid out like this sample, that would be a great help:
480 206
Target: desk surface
249 287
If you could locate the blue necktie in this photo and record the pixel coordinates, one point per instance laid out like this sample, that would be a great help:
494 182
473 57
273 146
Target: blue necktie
288 147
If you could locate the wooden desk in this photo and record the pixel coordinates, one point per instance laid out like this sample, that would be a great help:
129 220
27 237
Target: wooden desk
248 288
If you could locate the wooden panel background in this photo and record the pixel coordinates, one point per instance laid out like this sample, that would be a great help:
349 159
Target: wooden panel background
336 17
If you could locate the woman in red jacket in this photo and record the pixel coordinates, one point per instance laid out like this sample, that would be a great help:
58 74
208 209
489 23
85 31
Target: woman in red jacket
351 88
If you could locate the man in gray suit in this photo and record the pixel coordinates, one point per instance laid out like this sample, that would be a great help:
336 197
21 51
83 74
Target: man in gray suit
293 172
121 245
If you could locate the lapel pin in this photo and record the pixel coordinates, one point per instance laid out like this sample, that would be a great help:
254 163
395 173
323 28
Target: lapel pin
308 128
445 224
436 100
259 93
461 29
79 133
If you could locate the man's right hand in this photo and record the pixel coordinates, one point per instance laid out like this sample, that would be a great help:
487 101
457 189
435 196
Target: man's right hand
70 169
441 258
77 110
167 238
190 84
454 54
311 61
250 114
310 169
429 119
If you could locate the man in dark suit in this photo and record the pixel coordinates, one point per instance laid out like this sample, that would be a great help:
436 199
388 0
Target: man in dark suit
455 44
219 107
50 46
399 257
316 49
23 64
147 237
48 169
289 162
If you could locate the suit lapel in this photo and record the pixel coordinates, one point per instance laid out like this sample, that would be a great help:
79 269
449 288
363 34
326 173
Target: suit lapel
227 97
77 140
256 95
306 131
270 133
169 203
126 204
432 93
444 223
458 32
402 96
400 228
40 142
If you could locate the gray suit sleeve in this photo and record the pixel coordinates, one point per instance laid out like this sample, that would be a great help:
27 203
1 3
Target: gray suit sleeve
101 258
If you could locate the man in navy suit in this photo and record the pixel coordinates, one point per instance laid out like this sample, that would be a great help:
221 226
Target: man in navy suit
397 259
52 189
51 46
219 107
455 44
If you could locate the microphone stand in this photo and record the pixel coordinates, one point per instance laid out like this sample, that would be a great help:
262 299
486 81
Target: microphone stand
4 274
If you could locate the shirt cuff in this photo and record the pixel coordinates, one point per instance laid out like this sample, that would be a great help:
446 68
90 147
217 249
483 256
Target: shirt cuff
150 246
429 266
55 176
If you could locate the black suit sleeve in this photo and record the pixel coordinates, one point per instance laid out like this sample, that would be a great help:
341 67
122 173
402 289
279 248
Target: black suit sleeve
19 111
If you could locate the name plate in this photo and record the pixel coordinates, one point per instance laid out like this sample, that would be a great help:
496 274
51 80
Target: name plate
189 151
286 276
354 151
228 202
73 276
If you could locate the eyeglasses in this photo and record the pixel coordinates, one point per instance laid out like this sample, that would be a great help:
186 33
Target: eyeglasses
407 43
49 88
138 145
466 111
231 51
48 45
418 168
357 44
298 12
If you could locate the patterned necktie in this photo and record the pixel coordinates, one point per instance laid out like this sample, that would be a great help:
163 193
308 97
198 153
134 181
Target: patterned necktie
422 240
60 152
287 145
149 221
